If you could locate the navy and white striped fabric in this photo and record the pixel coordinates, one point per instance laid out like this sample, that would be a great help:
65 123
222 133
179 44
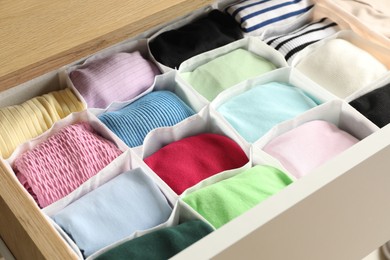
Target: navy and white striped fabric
255 16
290 44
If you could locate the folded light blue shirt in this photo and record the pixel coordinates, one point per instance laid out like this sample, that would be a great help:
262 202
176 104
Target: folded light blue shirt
254 112
113 211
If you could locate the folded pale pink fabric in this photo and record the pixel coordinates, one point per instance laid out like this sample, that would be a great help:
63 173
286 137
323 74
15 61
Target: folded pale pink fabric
118 77
59 165
308 146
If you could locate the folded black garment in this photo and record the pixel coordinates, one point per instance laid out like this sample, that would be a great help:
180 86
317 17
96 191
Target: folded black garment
375 105
215 29
160 244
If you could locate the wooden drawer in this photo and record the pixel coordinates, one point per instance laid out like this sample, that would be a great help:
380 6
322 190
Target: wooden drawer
340 211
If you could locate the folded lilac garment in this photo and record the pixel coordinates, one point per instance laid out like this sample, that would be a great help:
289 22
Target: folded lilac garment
308 146
57 166
129 202
118 77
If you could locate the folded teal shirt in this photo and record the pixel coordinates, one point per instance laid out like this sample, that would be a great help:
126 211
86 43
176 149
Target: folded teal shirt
115 210
223 201
161 244
256 111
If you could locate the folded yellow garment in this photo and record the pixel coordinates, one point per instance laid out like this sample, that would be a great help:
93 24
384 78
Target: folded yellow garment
20 123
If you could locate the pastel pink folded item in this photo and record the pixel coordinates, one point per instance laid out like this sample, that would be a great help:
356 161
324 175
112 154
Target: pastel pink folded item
308 146
118 77
59 165
186 162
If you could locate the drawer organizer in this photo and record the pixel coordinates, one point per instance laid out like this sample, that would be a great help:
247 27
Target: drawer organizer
211 137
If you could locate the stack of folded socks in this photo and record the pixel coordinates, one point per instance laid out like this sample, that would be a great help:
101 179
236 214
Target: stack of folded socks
127 203
223 72
161 244
184 163
57 166
341 67
20 123
118 77
308 146
375 105
156 109
256 16
223 201
256 111
291 43
215 29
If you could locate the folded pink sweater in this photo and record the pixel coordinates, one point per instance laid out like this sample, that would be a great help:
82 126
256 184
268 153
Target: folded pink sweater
59 165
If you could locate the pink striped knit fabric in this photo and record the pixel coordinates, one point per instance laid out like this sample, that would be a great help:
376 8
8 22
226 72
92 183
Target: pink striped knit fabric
59 165
118 77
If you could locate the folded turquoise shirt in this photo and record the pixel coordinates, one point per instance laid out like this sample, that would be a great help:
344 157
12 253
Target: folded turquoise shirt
115 210
223 201
256 111
223 72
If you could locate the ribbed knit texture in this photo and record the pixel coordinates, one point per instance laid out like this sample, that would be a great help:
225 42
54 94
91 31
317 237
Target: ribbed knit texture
184 163
223 201
118 77
213 30
255 16
223 72
254 112
57 166
125 204
308 146
375 105
291 43
156 109
20 123
341 67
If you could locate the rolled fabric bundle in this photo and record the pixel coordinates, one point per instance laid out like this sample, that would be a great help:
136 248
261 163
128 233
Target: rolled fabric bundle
127 203
375 105
57 166
20 123
341 67
161 244
213 30
118 77
256 16
308 146
156 109
223 201
291 43
223 72
256 111
186 162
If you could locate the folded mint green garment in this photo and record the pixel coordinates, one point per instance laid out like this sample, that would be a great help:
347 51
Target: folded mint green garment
161 244
221 73
257 110
225 200
127 203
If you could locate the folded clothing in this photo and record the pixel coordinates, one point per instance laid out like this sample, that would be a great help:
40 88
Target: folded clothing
256 16
225 200
186 162
291 43
341 67
20 123
161 244
375 105
156 109
223 72
57 166
118 77
213 30
308 146
125 204
256 111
